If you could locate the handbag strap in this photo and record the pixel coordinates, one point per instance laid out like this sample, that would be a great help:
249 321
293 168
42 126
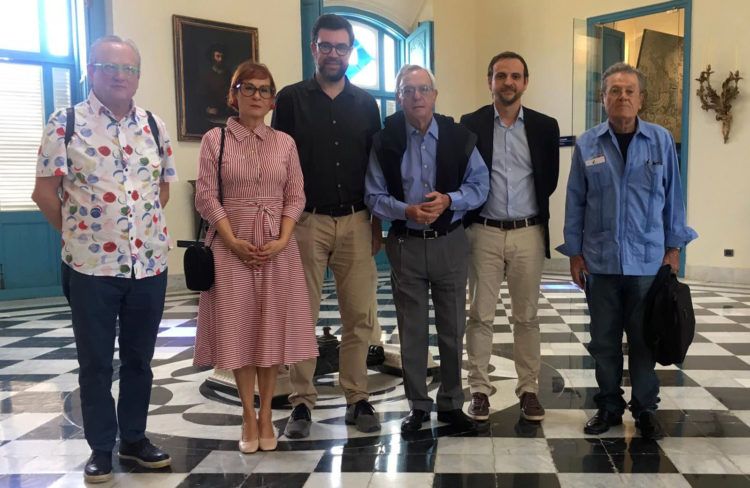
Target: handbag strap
218 173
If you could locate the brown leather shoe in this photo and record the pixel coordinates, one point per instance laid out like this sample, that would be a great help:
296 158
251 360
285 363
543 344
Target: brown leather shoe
531 409
479 409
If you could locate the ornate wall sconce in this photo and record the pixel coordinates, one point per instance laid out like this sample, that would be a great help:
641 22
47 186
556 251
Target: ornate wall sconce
720 103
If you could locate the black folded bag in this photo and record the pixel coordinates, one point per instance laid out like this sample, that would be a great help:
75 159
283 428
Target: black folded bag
669 319
198 262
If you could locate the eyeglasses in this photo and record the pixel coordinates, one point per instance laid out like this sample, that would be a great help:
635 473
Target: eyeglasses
616 92
341 49
410 91
248 90
112 68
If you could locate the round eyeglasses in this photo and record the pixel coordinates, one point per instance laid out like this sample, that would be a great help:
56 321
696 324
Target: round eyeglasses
248 90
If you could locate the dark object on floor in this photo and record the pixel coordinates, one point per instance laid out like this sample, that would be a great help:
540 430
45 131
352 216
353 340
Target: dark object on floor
375 356
328 353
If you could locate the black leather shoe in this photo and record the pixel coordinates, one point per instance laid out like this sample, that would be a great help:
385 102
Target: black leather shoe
144 453
458 419
98 468
601 422
413 421
650 426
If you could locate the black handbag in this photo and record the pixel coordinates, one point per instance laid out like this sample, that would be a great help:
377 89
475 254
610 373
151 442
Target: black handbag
198 262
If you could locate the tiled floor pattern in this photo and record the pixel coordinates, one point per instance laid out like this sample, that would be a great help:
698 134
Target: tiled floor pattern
705 408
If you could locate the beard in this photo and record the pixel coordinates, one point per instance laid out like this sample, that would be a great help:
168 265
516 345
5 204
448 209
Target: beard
507 97
330 72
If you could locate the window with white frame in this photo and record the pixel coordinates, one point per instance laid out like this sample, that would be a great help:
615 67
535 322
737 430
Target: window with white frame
39 56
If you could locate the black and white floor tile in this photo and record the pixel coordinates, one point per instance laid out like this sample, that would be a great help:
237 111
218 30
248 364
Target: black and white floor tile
705 408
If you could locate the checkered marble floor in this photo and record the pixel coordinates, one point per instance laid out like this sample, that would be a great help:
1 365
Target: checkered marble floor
705 408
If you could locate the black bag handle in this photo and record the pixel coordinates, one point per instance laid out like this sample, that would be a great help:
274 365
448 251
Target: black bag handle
218 173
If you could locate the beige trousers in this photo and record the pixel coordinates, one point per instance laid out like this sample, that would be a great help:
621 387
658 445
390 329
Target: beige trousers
344 245
518 256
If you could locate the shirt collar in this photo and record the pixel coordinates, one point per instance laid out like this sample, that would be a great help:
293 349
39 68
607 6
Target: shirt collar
431 130
520 114
240 132
640 128
98 108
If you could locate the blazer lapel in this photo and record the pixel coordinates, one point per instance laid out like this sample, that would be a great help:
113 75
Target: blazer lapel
531 134
486 137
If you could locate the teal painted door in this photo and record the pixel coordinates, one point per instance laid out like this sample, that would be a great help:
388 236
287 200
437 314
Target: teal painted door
29 256
607 48
39 74
419 46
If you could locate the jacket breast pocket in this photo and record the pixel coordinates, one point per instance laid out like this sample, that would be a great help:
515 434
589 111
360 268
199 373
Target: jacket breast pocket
602 198
649 182
599 177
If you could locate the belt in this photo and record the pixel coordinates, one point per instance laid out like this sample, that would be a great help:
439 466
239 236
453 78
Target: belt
428 233
337 210
509 224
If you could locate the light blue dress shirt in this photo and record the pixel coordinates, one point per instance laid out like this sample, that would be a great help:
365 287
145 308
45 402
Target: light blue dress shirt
418 172
623 217
512 193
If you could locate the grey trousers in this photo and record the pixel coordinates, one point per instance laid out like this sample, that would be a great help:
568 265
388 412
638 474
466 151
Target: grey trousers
420 267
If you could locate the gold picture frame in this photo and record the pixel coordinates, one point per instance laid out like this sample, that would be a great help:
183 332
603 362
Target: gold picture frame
205 55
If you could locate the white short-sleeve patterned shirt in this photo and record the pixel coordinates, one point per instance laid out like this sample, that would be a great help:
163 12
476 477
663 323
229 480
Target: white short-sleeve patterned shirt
112 221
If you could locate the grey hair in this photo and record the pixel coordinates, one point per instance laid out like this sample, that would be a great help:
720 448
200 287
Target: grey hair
627 69
112 40
410 68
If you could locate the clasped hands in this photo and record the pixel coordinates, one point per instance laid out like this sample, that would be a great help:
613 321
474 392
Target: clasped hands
427 212
255 256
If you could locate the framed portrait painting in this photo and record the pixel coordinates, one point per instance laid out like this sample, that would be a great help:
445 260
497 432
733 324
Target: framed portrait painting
206 54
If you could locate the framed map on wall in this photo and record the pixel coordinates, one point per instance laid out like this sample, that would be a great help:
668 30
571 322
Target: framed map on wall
660 59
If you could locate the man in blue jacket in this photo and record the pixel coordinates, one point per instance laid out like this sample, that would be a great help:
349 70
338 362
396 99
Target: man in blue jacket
624 218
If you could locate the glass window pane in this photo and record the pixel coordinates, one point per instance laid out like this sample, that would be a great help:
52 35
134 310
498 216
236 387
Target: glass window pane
56 18
19 25
61 88
364 60
21 124
390 107
389 63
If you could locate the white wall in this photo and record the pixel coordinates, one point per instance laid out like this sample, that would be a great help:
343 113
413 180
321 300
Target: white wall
718 204
719 174
149 24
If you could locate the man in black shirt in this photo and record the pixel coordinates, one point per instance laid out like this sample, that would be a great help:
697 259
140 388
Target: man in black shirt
333 122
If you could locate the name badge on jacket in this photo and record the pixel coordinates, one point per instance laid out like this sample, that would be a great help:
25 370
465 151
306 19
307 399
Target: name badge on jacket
595 161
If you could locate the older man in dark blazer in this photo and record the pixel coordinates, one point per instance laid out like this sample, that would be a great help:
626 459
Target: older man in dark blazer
509 235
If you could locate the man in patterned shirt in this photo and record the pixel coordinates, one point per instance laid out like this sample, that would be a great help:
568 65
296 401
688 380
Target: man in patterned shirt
113 178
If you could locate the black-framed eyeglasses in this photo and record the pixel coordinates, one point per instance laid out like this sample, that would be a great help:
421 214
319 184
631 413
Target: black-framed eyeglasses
248 90
113 68
341 49
410 91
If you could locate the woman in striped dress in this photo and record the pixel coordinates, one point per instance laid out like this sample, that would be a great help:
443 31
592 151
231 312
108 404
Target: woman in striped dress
256 316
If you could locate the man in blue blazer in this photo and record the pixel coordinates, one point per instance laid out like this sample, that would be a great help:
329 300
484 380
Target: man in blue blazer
509 235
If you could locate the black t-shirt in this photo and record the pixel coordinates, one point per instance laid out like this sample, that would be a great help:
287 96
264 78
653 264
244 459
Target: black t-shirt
623 140
333 139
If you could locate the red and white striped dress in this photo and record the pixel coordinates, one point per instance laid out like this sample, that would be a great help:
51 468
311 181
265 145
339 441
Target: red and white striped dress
252 317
